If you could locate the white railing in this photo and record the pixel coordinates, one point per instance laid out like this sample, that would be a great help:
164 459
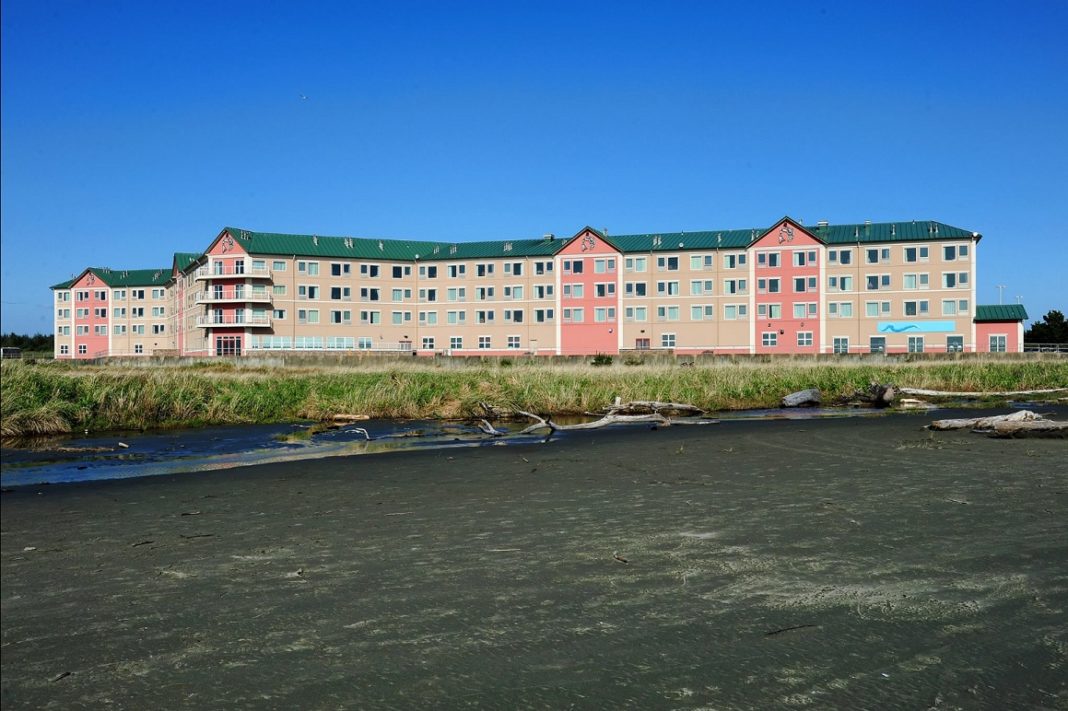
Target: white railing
242 296
232 320
229 272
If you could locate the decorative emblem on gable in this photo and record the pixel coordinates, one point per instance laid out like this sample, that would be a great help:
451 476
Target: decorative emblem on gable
786 234
91 279
588 243
227 243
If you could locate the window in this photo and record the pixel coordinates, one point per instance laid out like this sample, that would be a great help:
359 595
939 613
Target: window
82 349
139 349
401 294
951 253
916 254
804 339
803 311
156 310
962 307
137 312
137 294
103 313
513 315
428 271
877 344
399 272
278 314
513 268
484 293
278 289
769 339
954 280
309 268
117 295
64 350
667 288
346 269
954 344
572 266
344 293
484 269
769 310
917 308
574 316
997 343
734 286
65 295
916 281
429 295
877 256
485 342
605 289
670 264
456 342
769 286
701 287
513 342
366 293
484 316
636 313
398 318
802 259
840 344
543 291
667 313
573 291
364 343
702 312
699 262
310 315
803 284
278 265
455 317
513 292
635 288
158 328
457 270
733 312
840 283
915 344
667 340
455 293
875 282
308 291
604 314
100 330
428 318
341 317
635 264
366 317
875 309
543 267
543 315
140 328
733 261
768 259
949 307
82 295
428 343
840 309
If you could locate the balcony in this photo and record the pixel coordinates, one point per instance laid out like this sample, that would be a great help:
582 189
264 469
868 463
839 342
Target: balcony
247 321
230 272
233 296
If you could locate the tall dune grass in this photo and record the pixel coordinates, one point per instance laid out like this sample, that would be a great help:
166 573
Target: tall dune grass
58 397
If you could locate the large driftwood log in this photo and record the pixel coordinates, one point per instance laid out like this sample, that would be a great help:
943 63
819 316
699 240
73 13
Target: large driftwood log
1005 393
645 407
984 423
1035 428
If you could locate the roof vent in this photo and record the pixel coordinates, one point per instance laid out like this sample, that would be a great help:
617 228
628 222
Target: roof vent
656 240
823 223
549 236
604 231
856 232
436 249
452 249
381 246
893 230
867 222
315 240
507 246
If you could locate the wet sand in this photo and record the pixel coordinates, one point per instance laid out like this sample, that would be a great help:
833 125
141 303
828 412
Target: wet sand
859 563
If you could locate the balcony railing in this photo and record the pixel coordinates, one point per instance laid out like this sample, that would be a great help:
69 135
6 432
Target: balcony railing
233 296
1045 348
233 320
231 272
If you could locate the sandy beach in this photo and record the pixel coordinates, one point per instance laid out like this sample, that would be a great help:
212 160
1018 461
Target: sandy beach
853 563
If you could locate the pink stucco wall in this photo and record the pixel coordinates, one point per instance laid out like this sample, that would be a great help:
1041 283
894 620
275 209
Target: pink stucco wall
786 238
1009 329
93 343
589 336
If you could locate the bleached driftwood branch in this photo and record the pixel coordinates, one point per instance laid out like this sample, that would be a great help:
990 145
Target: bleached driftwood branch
1035 428
984 423
1006 393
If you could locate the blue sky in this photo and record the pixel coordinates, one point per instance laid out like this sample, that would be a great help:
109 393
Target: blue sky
131 130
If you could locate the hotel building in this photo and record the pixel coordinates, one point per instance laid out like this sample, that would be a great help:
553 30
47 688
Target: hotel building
898 287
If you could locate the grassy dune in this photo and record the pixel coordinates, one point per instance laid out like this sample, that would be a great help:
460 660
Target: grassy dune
56 397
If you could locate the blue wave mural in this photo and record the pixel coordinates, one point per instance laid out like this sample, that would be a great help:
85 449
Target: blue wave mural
917 326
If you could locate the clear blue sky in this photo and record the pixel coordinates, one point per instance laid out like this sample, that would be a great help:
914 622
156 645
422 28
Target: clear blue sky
131 130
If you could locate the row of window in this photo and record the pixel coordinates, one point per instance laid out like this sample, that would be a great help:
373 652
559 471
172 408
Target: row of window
877 344
425 271
425 318
116 294
367 343
118 312
118 330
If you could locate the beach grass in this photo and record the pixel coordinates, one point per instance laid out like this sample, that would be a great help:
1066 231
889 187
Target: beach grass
55 397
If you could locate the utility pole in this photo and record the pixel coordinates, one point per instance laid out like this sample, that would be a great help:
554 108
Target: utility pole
1001 293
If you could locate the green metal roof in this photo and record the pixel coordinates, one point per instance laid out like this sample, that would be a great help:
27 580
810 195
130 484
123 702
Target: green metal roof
63 284
123 277
674 241
1000 312
184 260
387 249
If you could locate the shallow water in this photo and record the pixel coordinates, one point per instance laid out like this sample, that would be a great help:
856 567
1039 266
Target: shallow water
100 456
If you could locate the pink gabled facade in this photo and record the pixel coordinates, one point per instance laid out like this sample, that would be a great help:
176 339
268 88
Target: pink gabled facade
588 272
786 271
907 287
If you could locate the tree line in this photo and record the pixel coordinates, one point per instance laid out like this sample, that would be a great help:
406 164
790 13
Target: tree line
36 342
1051 329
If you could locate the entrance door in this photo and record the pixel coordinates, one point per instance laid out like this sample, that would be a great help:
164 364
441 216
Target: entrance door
228 345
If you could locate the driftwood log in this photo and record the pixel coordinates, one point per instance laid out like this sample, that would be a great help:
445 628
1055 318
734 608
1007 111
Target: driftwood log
653 414
983 424
1034 428
877 395
1001 393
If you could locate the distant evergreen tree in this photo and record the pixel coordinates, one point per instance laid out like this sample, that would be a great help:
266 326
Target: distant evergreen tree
1051 329
38 342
